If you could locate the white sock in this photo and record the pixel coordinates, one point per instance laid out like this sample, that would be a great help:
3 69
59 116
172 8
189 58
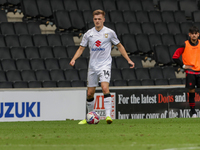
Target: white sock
107 104
90 105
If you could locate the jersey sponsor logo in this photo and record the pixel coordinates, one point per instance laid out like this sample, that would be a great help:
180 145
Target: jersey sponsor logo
98 44
99 105
98 49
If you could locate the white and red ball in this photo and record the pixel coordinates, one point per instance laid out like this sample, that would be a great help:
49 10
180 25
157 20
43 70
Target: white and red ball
92 118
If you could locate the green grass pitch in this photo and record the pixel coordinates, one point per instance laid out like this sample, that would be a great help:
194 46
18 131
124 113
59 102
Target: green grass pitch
145 134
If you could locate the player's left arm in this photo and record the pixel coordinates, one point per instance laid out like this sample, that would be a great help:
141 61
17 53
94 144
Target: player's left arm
125 55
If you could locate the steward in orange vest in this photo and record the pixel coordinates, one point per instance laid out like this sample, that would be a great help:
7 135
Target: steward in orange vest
191 63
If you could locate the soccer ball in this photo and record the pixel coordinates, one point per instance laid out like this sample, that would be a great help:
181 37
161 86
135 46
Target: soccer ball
92 118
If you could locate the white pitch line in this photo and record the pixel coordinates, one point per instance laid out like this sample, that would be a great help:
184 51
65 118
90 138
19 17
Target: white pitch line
183 148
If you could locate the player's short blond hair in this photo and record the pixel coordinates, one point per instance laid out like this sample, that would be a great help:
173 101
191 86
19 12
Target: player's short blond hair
98 12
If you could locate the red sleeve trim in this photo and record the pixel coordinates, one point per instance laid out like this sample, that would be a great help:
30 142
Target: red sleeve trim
178 53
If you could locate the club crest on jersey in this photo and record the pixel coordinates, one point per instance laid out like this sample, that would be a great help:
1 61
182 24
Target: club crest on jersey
106 35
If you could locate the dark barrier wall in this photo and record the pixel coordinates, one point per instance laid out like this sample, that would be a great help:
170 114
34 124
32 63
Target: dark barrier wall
152 103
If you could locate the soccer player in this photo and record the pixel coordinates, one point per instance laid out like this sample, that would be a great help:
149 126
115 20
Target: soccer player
100 40
190 52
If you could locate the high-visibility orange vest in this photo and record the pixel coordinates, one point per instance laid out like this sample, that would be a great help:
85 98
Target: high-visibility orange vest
191 55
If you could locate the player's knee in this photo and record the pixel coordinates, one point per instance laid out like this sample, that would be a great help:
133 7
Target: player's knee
105 89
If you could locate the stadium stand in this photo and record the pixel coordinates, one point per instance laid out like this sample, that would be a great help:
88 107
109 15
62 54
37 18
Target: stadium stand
147 5
168 16
70 5
135 5
156 73
134 83
25 40
137 60
150 30
121 28
33 28
161 28
8 64
120 83
3 76
142 16
13 75
173 28
143 43
135 28
54 40
179 16
5 53
37 63
57 5
121 62
188 6
60 52
51 63
49 84
185 27
81 63
116 16
87 16
122 5
83 5
45 52
155 16
7 28
168 39
161 54
31 52
168 5
161 82
78 83
155 39
128 74
129 42
64 84
147 82
63 62
23 64
180 38
43 75
71 75
40 40
28 75
44 9
20 84
142 73
129 16
83 74
116 74
175 81
35 84
20 28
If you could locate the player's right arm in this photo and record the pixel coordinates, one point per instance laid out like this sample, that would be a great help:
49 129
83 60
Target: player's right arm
77 55
176 56
80 50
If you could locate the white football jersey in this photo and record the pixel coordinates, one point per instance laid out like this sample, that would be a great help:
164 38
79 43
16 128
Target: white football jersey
100 44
